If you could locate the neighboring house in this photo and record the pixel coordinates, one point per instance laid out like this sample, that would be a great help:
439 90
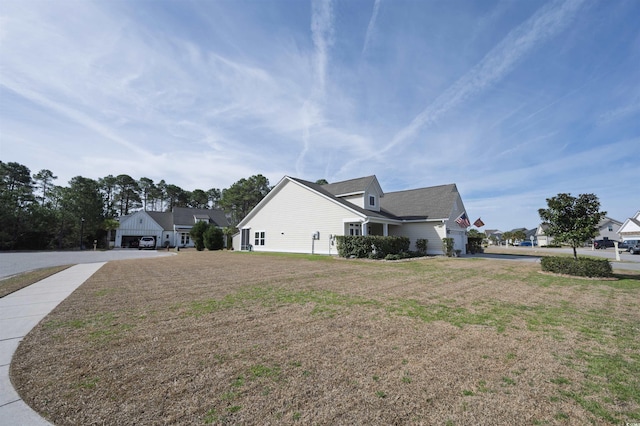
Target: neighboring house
168 228
543 238
531 233
298 216
630 229
494 236
608 229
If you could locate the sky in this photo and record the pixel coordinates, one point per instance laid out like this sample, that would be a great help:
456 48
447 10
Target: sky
513 101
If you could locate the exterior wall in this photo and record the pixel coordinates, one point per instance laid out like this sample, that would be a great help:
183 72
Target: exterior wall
356 200
434 232
366 205
630 230
604 232
456 232
139 224
291 217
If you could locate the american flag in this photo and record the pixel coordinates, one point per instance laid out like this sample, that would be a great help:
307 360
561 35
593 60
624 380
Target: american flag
478 223
463 220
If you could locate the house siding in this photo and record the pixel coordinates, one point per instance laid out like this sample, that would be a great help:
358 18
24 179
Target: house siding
604 232
291 217
139 224
432 232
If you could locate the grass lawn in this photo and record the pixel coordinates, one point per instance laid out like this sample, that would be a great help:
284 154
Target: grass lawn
17 282
249 338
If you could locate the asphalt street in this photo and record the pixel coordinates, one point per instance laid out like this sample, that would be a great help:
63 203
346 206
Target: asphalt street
13 263
628 261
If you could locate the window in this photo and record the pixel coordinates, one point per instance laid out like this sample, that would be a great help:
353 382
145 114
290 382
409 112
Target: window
184 239
354 229
610 228
259 239
372 200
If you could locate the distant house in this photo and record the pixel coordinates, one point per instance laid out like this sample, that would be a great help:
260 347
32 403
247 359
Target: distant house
303 217
608 229
168 228
493 235
543 238
630 229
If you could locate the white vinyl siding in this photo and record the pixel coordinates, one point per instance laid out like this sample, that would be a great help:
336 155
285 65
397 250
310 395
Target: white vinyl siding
292 216
433 232
357 200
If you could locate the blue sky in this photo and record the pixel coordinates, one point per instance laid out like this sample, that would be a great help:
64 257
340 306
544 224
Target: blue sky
514 101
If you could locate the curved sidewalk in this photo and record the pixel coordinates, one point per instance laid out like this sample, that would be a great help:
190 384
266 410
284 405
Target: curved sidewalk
19 313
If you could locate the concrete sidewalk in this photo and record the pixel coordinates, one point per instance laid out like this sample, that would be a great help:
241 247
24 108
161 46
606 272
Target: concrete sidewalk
19 313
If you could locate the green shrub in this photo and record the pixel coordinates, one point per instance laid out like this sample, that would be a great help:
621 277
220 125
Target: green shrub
447 246
197 234
475 244
582 267
371 246
213 238
421 246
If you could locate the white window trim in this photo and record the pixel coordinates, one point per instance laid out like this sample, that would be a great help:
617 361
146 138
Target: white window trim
259 238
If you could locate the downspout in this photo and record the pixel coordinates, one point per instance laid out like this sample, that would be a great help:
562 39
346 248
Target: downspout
364 224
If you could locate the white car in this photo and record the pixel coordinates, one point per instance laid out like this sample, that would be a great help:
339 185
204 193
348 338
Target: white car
147 242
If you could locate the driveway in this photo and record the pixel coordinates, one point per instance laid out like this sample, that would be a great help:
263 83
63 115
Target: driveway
16 262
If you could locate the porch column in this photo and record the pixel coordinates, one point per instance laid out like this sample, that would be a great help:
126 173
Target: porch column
385 229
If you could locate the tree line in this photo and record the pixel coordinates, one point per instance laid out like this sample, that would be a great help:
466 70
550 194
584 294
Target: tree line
35 213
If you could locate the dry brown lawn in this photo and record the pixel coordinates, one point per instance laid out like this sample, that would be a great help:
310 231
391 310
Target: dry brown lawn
16 282
238 338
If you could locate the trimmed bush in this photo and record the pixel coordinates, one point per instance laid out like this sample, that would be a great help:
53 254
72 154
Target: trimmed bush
447 246
475 244
581 267
371 246
213 238
421 246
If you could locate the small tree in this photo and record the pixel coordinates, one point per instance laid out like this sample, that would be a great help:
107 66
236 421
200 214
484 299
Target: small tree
213 238
507 237
572 220
197 234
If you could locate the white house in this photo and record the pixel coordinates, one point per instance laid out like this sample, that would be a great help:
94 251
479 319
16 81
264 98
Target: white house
168 228
542 237
298 216
630 229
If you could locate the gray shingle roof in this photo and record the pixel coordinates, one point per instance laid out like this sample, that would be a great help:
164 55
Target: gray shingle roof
164 219
181 216
351 186
434 202
187 217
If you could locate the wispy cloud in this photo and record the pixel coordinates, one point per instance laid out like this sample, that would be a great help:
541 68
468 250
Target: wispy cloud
371 27
322 33
543 25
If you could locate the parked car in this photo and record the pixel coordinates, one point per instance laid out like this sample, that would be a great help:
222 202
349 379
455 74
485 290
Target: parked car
525 244
603 244
147 242
634 249
626 245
